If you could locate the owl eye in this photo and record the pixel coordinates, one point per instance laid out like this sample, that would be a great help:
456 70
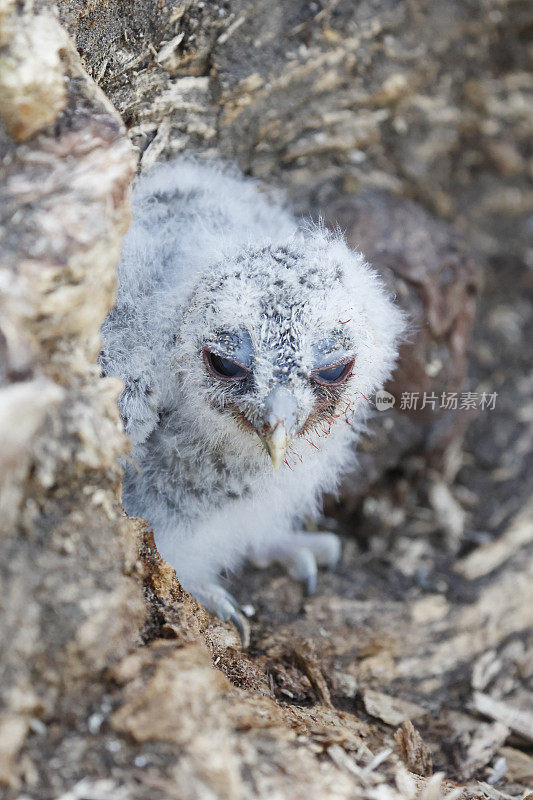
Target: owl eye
334 374
224 368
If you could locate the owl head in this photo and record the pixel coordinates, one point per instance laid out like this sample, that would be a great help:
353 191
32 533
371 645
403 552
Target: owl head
286 341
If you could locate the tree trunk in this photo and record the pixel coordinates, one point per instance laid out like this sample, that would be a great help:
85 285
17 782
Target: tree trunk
114 683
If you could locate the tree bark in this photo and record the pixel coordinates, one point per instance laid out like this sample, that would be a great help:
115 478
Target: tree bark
114 683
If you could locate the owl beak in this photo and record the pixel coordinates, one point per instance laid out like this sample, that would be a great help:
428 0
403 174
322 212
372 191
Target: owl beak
277 442
280 418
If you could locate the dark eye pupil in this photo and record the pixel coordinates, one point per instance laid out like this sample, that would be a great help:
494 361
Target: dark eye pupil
332 374
225 367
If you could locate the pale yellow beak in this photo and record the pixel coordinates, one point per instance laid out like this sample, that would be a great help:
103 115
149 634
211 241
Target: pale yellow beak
277 443
279 423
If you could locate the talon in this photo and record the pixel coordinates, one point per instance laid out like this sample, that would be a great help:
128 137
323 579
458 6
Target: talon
243 628
310 584
302 553
303 567
221 603
327 549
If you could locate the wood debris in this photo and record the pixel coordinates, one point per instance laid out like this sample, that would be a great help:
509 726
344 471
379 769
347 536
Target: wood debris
492 555
519 720
414 750
391 710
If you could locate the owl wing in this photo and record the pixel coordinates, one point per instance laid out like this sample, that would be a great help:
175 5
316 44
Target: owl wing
127 355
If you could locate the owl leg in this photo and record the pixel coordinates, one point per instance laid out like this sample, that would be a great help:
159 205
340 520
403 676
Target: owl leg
302 553
221 603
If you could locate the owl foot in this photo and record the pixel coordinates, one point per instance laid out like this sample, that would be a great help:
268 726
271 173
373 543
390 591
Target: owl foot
221 603
302 553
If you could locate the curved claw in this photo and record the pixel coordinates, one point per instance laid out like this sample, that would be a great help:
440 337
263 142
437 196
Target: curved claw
220 602
302 553
302 566
310 585
243 628
326 548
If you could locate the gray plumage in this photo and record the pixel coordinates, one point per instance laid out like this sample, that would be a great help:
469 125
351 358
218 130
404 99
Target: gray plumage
245 341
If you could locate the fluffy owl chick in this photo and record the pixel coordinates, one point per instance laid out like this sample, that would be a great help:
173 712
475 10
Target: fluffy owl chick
248 345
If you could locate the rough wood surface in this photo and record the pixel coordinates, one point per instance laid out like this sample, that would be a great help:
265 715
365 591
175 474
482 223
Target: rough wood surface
408 676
